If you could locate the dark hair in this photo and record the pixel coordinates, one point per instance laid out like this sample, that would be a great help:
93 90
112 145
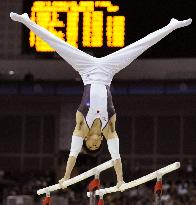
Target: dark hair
93 152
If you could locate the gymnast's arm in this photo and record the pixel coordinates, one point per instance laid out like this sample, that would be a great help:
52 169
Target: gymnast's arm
113 146
65 50
76 146
123 57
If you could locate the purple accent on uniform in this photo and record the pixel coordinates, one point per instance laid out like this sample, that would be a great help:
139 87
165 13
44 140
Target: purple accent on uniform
85 103
110 106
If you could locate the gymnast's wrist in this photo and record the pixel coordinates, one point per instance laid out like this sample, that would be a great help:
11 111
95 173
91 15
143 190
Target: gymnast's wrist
120 179
66 177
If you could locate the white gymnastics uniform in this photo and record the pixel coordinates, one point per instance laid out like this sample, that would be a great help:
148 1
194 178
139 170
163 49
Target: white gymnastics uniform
97 73
97 103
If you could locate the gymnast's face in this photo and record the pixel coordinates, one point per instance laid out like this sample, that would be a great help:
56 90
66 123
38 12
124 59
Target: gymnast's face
93 142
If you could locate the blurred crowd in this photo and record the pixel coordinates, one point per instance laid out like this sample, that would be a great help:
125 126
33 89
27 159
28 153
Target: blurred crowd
178 191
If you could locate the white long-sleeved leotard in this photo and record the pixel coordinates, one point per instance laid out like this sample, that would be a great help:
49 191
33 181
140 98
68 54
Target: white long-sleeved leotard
97 73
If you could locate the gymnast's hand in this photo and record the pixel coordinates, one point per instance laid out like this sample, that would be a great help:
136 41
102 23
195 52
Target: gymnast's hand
17 17
61 183
119 185
180 24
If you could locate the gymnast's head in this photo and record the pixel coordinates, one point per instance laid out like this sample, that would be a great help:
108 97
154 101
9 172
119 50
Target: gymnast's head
93 144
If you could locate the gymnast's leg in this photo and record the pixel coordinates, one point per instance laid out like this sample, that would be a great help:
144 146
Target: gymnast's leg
132 51
66 51
156 36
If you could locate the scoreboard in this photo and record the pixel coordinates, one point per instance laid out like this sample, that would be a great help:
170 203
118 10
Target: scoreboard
83 24
101 27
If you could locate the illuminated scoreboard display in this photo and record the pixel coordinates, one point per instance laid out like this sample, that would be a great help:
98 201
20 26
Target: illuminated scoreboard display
84 24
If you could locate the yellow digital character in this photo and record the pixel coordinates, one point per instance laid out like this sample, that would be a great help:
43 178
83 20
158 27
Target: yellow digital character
46 14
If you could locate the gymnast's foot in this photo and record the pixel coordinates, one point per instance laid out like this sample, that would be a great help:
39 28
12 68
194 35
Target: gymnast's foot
180 24
17 17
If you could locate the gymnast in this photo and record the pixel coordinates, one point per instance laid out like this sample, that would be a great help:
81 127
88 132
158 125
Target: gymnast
96 117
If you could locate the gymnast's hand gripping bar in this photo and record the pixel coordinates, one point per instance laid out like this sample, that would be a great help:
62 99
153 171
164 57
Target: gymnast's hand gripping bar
78 178
137 182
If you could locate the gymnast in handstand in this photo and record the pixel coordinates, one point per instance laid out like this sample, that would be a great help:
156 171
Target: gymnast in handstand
96 117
